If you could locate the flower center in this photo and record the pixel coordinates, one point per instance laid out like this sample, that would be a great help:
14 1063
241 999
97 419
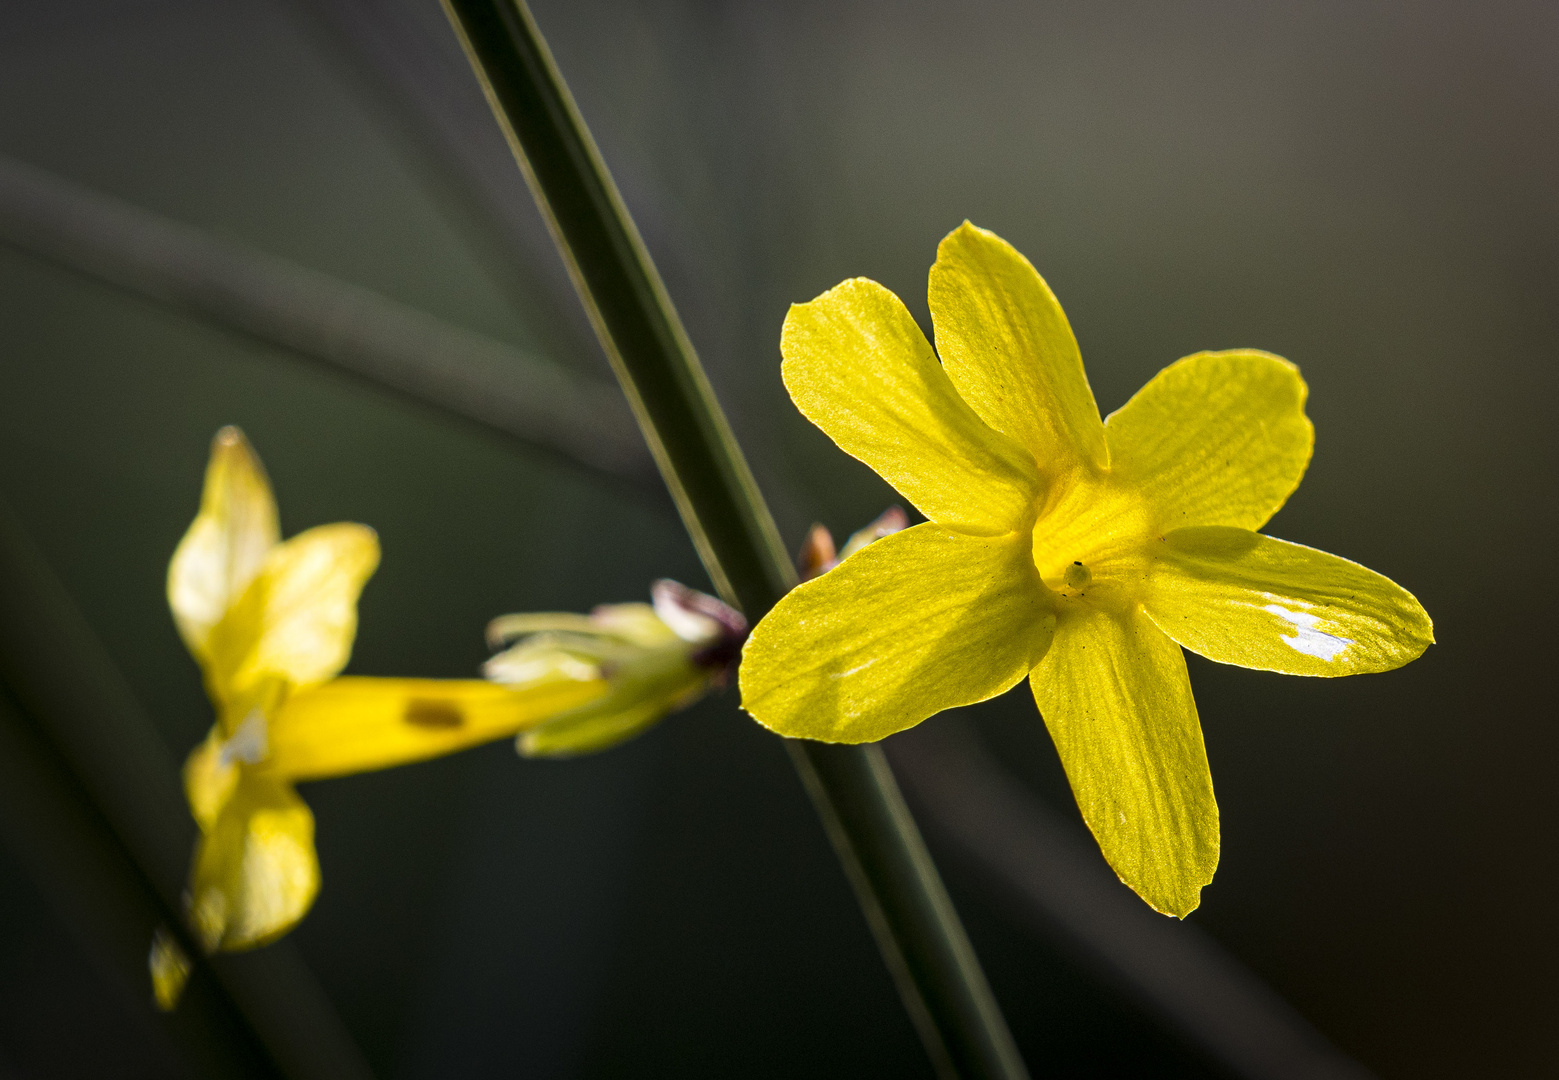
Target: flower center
249 743
1089 541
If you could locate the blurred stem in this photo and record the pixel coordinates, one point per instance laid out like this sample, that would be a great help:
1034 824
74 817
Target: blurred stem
322 319
55 672
75 860
916 927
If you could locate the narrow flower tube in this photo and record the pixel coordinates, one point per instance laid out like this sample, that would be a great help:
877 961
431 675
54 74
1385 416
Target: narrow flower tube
354 724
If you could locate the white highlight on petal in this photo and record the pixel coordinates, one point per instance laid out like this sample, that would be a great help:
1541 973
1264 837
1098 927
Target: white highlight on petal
852 671
1307 639
249 743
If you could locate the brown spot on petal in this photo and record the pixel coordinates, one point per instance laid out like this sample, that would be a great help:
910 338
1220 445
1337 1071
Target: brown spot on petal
421 712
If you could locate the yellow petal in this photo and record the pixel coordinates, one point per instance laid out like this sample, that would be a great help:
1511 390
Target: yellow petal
256 873
297 618
169 966
1114 693
1219 438
920 621
353 725
1009 350
227 542
209 779
1241 598
857 366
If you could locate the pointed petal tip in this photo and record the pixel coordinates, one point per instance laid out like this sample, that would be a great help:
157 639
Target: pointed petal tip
968 232
859 367
229 443
1252 600
1175 901
1427 627
1180 907
845 287
1008 348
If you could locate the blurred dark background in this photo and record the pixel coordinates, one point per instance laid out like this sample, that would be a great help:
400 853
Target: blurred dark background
1370 189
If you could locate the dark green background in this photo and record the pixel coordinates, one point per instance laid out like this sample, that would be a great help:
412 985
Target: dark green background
1371 189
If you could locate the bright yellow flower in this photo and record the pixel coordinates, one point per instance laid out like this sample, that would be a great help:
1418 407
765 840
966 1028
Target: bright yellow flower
1080 553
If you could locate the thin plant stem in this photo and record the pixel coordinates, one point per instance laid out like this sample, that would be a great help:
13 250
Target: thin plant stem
324 319
1172 970
73 857
922 941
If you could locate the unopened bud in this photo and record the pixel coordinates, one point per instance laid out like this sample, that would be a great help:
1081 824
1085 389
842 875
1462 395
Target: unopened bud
655 658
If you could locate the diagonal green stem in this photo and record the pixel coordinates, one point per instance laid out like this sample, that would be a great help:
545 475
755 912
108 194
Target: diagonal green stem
75 859
909 911
628 306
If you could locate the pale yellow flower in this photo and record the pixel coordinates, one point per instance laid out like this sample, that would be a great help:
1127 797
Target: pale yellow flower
271 624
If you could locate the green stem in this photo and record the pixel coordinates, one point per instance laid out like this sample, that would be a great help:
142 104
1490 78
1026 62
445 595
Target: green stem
77 863
909 911
321 318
